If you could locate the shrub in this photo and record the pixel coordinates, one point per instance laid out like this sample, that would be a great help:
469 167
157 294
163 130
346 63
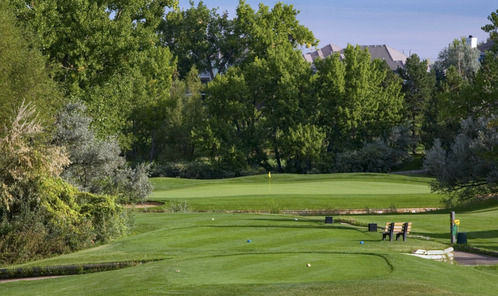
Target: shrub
96 165
468 170
195 170
40 214
373 157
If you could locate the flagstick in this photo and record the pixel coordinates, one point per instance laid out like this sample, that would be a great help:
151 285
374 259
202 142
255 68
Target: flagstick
269 182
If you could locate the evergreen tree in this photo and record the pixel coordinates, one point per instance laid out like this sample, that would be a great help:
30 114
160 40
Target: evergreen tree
418 87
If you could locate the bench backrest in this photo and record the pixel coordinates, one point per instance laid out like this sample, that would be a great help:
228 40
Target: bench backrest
398 227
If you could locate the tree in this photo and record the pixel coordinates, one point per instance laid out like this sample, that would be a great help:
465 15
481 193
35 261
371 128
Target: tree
256 103
468 170
460 55
106 54
303 146
483 95
23 76
359 98
264 29
185 112
201 37
492 29
418 86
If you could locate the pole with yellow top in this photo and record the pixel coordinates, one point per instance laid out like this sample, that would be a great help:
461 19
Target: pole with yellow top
269 182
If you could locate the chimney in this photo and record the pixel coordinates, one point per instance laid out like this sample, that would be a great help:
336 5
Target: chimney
471 41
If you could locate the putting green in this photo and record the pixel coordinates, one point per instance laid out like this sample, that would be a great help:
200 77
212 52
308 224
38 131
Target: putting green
301 188
276 268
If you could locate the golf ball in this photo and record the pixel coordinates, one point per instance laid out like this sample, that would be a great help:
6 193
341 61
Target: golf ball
361 242
295 219
212 219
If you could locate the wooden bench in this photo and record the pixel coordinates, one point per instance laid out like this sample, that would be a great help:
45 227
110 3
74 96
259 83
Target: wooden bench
398 228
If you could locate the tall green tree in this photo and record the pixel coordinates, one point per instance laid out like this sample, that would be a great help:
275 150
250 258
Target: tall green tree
106 54
23 75
418 87
201 37
185 113
359 98
267 28
255 104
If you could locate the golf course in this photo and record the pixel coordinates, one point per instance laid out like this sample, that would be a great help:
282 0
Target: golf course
262 235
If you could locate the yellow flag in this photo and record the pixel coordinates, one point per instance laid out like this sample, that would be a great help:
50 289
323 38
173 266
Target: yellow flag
269 175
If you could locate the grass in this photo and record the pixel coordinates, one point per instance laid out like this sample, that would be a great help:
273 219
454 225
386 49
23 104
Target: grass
299 192
209 253
480 225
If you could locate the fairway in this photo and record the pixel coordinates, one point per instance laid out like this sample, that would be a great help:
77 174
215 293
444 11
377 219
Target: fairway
286 192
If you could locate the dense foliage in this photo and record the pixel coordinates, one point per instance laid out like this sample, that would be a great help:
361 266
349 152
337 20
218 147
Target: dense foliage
40 214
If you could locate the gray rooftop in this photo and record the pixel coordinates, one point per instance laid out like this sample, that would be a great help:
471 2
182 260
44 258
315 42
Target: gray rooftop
394 58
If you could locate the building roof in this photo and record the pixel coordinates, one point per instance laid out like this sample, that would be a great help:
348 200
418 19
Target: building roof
394 58
486 46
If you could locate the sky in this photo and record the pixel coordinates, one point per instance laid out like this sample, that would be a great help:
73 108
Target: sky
423 27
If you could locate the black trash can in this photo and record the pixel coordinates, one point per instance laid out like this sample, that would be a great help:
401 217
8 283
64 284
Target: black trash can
329 220
372 227
462 238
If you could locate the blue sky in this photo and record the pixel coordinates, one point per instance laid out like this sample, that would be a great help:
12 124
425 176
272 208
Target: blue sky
423 27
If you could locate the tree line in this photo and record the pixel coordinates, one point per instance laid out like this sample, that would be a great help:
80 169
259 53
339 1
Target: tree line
97 95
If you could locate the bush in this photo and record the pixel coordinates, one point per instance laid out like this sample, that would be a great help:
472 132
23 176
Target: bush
109 220
96 165
40 214
468 170
373 157
195 170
